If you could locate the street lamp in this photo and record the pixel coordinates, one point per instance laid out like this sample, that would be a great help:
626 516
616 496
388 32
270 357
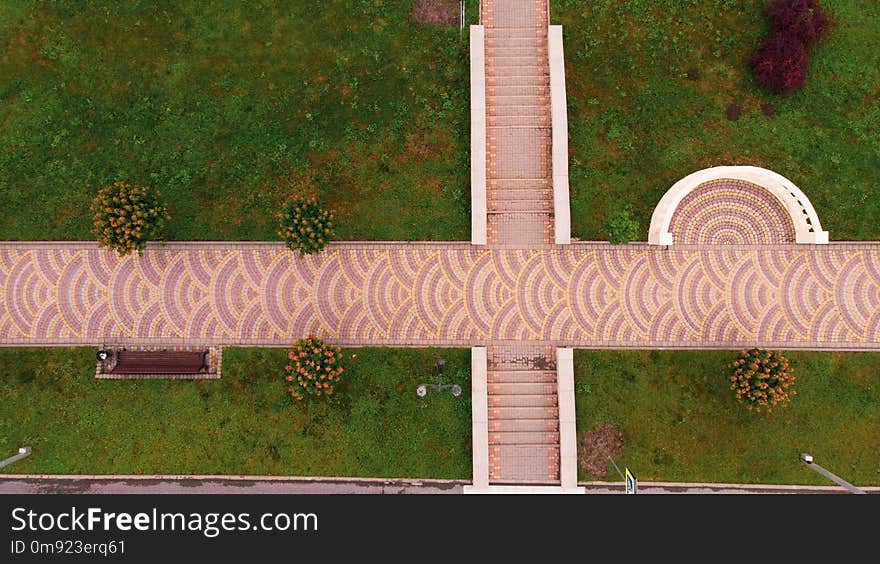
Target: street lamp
808 460
422 390
23 452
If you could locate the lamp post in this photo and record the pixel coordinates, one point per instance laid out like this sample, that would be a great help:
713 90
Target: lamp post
422 390
23 452
808 460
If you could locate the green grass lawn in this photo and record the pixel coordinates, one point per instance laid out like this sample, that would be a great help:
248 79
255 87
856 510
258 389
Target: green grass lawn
228 107
243 423
681 421
637 124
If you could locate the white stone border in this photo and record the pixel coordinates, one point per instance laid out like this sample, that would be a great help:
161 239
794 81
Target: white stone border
795 201
567 423
480 416
478 134
559 116
540 490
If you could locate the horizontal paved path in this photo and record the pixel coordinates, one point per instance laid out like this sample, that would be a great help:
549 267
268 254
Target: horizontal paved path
422 294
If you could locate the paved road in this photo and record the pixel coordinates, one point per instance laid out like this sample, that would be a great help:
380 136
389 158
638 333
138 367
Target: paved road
15 484
431 294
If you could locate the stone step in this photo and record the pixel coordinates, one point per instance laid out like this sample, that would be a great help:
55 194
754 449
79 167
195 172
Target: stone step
507 81
509 110
496 60
519 206
502 185
520 228
523 412
537 71
521 376
522 42
518 121
513 101
521 388
534 51
507 90
533 425
523 464
524 438
523 194
517 32
508 17
522 400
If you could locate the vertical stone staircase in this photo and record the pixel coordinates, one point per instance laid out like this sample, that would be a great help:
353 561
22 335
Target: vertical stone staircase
519 191
523 415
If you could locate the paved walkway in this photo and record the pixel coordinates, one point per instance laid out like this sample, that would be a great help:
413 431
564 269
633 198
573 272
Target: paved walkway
425 294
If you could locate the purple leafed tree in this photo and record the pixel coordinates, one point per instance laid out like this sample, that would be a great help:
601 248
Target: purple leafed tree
780 64
804 18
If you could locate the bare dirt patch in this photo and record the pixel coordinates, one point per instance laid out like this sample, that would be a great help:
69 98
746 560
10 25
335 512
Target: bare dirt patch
438 12
597 445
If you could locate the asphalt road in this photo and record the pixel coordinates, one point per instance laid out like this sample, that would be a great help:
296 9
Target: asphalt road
32 484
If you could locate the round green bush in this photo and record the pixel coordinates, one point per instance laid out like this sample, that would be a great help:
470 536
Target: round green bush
762 379
126 217
305 226
313 369
621 227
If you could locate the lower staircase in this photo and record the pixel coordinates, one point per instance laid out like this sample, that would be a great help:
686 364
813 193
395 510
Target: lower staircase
523 415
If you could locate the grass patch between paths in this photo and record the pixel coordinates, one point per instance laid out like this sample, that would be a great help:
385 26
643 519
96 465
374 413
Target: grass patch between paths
682 423
243 423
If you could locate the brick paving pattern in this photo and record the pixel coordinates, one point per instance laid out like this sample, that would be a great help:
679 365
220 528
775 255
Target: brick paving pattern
731 212
581 295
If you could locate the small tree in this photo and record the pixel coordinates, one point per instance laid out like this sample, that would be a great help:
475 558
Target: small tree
762 380
804 18
126 217
305 226
621 227
313 369
780 64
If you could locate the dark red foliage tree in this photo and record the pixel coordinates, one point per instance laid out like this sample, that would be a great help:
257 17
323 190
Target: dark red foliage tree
804 18
780 64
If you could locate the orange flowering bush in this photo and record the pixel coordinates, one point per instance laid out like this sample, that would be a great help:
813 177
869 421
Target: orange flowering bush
305 226
762 380
313 368
125 217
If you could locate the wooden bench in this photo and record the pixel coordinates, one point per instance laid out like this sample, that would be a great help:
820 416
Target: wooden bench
160 362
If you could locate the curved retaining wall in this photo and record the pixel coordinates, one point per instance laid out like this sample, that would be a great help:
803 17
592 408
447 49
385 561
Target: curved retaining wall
803 215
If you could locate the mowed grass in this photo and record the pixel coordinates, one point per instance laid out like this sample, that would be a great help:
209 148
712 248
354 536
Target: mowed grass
229 107
637 124
681 421
243 423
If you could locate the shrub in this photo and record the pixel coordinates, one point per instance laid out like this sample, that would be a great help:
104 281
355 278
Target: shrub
803 18
780 65
621 227
313 369
305 226
125 217
762 379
